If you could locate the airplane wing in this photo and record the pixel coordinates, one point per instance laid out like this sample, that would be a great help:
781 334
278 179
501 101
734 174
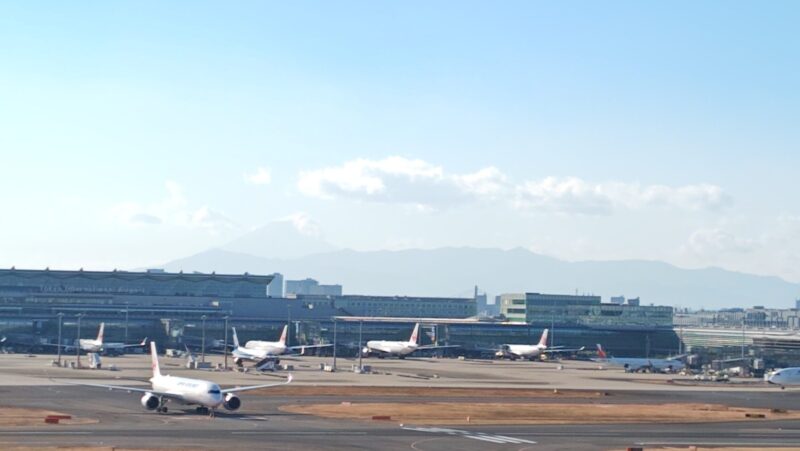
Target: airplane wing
558 350
254 387
302 347
129 389
428 347
137 345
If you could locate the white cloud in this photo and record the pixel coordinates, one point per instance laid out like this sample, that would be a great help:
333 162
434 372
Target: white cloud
574 195
262 176
712 242
414 182
173 210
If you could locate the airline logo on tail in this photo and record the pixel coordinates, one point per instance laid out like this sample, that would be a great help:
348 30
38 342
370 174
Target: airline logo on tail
154 355
414 334
600 351
543 340
283 334
235 338
100 333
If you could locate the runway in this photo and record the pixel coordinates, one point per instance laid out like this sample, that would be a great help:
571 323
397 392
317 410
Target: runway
261 424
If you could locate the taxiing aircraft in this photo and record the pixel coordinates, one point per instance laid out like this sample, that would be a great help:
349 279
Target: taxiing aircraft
385 348
98 345
634 364
531 352
258 351
206 395
785 377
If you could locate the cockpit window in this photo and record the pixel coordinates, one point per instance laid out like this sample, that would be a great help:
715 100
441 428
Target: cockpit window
214 391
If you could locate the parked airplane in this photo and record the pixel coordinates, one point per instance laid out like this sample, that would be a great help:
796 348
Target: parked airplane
257 350
531 352
98 345
634 364
206 395
785 377
385 348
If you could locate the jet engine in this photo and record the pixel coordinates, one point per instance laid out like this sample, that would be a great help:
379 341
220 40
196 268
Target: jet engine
150 402
232 402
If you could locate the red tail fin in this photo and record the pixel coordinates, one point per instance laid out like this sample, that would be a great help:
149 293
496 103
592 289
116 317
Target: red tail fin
543 340
415 334
600 351
100 332
283 334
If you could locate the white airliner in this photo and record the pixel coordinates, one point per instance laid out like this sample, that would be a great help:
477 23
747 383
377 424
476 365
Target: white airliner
206 395
97 344
385 348
634 364
257 350
785 377
531 352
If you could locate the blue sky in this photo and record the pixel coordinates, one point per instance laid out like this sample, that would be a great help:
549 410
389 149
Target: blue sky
604 131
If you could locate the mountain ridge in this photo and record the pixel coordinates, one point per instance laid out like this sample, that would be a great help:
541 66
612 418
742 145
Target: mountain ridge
453 271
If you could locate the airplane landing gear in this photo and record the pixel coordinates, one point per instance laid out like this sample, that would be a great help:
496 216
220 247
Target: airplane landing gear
162 408
202 410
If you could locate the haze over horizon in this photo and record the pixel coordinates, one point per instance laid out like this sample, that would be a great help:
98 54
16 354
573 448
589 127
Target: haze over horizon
626 132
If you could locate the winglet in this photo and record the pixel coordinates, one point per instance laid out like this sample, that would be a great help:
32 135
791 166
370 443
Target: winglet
144 342
414 335
289 379
100 333
235 338
543 340
154 356
600 351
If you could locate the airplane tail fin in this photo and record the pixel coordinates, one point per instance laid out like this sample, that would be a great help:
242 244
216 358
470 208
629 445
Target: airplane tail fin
100 333
154 356
415 334
235 338
600 351
543 340
283 334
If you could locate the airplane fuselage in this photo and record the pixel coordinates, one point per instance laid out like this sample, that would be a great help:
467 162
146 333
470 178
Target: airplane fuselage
785 377
399 348
524 351
191 391
270 348
90 345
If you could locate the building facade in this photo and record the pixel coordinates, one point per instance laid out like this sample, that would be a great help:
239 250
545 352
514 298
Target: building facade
311 287
581 311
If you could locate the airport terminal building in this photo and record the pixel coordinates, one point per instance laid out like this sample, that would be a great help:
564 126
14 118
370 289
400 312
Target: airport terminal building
582 311
173 307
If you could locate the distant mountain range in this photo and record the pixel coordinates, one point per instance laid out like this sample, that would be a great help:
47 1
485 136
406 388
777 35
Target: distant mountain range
454 272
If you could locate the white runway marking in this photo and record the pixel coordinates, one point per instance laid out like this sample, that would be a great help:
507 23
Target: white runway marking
491 438
45 433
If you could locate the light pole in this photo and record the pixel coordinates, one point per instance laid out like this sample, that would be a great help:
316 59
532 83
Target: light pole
126 324
78 341
552 324
60 320
226 342
203 348
743 338
334 343
360 344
